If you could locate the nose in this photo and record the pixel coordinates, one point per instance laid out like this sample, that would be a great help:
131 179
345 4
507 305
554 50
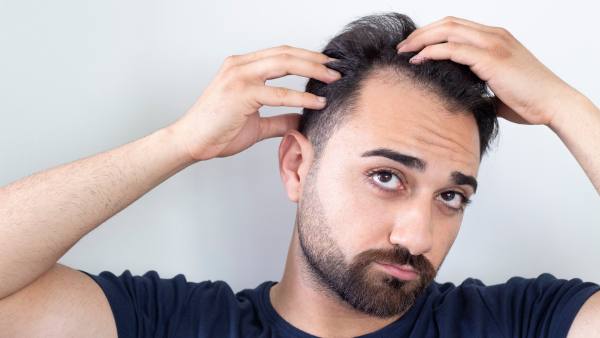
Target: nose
413 227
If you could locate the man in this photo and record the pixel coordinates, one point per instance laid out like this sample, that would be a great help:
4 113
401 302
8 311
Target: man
381 173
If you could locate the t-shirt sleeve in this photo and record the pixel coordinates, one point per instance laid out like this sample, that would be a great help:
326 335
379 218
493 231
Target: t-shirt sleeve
150 306
538 307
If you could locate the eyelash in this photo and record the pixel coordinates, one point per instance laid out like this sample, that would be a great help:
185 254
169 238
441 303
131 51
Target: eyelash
465 201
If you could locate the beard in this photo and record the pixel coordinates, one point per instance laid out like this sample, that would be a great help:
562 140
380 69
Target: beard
371 292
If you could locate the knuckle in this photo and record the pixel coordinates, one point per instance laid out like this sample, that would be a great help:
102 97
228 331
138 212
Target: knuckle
491 40
501 31
280 93
230 60
285 57
451 24
452 46
499 48
282 59
499 52
449 18
284 47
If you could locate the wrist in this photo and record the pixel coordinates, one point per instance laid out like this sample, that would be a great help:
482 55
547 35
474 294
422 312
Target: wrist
170 138
574 107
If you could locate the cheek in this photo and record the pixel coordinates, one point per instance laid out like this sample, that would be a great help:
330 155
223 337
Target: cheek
445 233
358 219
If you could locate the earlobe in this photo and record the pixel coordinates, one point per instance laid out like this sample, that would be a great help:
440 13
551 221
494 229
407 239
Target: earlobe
295 158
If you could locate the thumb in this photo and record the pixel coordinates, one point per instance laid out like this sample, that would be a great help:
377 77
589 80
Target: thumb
508 113
275 126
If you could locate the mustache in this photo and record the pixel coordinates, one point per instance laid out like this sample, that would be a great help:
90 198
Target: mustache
398 255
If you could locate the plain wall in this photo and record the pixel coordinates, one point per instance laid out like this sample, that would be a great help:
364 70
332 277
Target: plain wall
81 77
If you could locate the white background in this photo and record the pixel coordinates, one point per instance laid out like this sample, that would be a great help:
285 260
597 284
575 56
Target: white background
81 77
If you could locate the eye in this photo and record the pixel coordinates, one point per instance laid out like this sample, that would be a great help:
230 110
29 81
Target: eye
385 179
454 200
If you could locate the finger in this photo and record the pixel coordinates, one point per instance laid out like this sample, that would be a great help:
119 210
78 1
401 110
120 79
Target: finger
279 96
454 32
287 64
446 20
460 53
275 126
462 21
507 113
284 49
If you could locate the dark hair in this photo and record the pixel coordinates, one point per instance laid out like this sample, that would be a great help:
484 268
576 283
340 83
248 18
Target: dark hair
369 44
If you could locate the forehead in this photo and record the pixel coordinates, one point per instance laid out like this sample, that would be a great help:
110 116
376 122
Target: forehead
395 113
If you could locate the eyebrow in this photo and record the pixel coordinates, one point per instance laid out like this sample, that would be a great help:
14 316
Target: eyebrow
459 178
412 162
409 161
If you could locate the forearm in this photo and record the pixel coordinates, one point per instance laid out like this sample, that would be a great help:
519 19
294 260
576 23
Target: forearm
578 126
42 216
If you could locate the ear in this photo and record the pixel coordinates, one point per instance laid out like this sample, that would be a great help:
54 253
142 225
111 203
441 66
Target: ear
295 158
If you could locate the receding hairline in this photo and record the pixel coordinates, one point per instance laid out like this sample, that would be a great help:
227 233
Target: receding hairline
393 75
390 75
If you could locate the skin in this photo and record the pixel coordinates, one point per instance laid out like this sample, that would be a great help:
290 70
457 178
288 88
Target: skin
39 221
391 114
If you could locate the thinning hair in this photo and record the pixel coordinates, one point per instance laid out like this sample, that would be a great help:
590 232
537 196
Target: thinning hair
367 46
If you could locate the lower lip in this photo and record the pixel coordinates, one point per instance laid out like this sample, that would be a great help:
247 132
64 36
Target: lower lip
399 273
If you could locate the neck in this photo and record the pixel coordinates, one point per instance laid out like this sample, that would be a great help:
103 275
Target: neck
312 307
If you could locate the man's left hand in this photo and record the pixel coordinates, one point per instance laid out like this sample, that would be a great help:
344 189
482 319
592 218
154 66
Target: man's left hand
527 92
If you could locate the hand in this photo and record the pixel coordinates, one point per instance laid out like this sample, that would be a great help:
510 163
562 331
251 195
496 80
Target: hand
526 91
225 119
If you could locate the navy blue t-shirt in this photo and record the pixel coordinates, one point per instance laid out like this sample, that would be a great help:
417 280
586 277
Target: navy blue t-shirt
148 306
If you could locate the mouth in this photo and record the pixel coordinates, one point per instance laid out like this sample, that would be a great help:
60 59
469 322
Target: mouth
402 272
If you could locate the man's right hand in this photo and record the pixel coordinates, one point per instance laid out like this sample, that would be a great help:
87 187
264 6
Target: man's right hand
42 216
225 119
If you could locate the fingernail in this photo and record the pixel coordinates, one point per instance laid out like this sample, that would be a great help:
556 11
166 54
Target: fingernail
321 99
416 59
401 46
332 59
334 73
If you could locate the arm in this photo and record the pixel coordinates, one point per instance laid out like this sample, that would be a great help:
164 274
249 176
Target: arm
578 126
587 322
527 93
44 215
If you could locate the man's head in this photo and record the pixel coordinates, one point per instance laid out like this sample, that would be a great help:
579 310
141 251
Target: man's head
380 174
368 45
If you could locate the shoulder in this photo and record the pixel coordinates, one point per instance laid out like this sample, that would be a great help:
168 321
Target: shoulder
539 285
545 288
151 305
520 306
152 288
587 321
